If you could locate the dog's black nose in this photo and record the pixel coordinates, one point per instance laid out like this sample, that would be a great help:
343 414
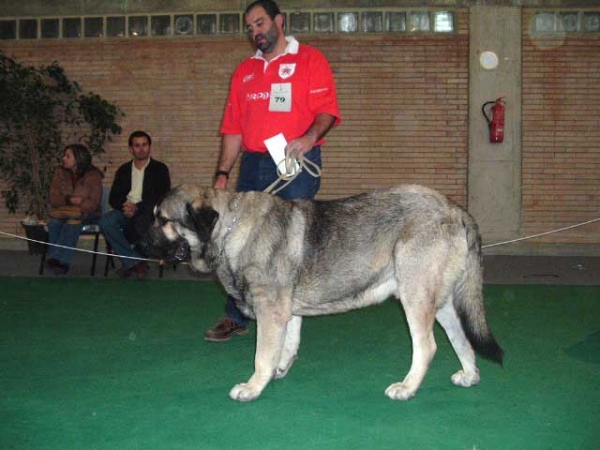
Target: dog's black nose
183 251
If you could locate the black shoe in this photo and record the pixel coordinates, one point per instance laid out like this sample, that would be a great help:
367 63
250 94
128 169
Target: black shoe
125 273
60 268
52 263
140 270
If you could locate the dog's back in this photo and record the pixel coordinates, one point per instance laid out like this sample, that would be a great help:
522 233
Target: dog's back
353 247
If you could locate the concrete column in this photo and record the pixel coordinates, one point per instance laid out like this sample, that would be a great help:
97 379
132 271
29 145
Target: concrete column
494 179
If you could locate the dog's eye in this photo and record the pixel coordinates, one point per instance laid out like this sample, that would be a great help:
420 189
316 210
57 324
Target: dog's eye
162 221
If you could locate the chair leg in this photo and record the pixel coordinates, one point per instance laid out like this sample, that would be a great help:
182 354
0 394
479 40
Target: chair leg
107 260
95 254
43 259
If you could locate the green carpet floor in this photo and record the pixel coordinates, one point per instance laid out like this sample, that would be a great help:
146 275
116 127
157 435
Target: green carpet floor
107 364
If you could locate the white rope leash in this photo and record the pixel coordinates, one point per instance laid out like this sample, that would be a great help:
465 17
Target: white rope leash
290 163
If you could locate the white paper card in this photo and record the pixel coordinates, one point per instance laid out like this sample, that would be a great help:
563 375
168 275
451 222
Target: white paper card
276 146
281 97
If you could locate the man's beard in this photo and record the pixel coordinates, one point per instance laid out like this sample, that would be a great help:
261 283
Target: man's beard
269 39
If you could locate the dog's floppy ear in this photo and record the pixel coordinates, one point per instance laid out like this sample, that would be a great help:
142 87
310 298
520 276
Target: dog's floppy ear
204 220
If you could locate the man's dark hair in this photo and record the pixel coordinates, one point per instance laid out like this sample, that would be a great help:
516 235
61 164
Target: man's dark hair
268 5
137 134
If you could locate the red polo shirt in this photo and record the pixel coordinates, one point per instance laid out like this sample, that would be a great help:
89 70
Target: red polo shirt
303 71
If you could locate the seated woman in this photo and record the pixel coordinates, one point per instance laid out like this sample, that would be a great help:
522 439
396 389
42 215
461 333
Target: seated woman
75 200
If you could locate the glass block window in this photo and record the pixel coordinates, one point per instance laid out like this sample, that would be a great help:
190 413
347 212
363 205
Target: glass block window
8 29
396 22
591 21
348 22
93 27
323 22
230 23
28 29
138 26
50 28
419 21
443 22
299 22
369 20
206 23
183 25
545 22
115 26
568 21
160 25
72 28
372 22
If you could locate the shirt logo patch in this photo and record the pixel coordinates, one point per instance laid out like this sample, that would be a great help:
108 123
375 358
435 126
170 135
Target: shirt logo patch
286 70
248 78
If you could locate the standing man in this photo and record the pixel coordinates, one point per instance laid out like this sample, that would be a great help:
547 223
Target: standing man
286 87
138 186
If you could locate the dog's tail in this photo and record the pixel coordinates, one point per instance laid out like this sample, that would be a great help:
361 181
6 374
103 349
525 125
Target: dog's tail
468 297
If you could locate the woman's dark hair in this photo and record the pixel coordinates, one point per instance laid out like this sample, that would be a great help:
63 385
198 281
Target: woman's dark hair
83 159
137 134
268 5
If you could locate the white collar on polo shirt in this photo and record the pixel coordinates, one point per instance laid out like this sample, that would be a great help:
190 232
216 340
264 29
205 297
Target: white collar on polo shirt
291 47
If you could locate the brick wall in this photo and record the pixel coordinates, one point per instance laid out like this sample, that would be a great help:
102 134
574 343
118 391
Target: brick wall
403 101
561 135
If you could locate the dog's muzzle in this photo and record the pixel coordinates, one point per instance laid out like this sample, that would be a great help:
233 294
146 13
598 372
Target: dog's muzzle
183 251
156 245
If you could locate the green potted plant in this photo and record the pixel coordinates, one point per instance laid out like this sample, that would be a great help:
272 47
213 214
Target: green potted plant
41 111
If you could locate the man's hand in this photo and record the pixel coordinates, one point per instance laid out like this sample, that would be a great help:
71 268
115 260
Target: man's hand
300 146
297 148
220 182
75 200
129 209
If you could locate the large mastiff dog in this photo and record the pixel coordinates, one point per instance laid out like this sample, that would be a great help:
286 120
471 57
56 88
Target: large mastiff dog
282 260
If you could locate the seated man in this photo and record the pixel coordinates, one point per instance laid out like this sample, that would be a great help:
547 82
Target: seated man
137 187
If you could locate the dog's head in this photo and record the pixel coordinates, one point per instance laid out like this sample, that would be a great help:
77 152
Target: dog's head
183 226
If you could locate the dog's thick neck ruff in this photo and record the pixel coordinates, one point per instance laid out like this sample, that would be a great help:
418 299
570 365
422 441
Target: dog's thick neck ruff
234 220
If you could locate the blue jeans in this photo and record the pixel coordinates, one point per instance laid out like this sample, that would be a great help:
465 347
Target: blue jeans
257 172
112 224
62 233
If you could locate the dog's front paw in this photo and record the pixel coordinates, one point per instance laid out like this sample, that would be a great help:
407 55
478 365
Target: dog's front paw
463 379
243 393
399 391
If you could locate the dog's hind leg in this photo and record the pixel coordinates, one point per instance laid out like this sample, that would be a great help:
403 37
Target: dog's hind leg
271 323
448 319
420 315
290 347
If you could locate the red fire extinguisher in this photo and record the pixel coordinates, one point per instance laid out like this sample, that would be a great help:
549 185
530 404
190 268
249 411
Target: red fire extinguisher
496 123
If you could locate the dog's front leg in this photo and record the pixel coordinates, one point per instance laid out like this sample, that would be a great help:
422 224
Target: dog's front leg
270 336
290 347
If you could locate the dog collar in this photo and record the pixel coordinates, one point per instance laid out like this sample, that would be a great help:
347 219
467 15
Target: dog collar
234 220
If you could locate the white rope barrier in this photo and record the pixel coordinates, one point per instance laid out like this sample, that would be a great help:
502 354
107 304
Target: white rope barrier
559 230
